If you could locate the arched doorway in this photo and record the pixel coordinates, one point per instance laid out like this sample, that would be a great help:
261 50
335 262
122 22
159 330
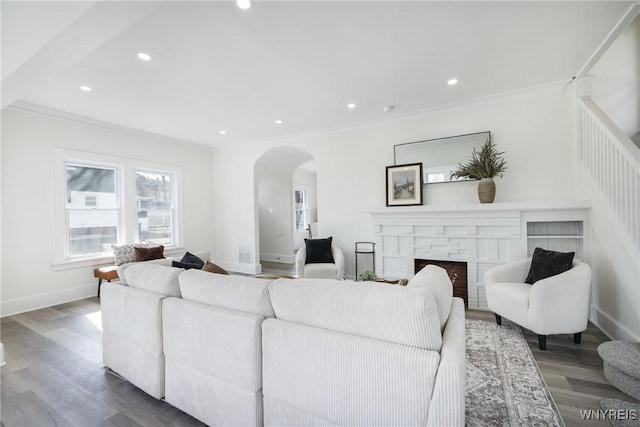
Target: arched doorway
280 182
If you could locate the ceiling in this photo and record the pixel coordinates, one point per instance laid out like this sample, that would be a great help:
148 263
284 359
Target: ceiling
216 67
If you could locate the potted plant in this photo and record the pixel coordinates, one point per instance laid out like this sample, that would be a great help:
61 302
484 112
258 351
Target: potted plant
367 276
484 165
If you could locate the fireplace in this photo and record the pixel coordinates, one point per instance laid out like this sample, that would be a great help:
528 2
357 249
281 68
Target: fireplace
457 271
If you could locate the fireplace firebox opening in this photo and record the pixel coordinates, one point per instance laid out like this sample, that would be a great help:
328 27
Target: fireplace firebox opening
457 271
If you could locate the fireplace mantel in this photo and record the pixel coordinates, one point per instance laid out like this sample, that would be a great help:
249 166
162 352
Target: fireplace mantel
526 206
483 235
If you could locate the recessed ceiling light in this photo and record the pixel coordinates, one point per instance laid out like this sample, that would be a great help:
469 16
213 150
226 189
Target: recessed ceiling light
351 105
144 56
452 82
278 122
86 88
223 132
243 4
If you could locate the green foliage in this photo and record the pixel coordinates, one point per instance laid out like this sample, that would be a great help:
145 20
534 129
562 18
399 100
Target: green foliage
367 275
486 163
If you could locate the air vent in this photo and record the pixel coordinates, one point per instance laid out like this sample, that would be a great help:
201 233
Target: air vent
244 254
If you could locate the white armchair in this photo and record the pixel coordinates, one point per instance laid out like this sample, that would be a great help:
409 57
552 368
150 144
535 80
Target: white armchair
556 305
320 270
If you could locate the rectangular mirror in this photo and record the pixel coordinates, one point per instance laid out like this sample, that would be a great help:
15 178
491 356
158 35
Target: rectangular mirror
440 157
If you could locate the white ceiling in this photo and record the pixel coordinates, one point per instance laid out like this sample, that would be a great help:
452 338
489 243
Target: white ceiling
217 67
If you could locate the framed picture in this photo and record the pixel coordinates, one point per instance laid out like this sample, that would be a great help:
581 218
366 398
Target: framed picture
404 185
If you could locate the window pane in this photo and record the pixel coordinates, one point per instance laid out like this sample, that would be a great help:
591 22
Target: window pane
92 231
154 203
86 182
300 197
91 208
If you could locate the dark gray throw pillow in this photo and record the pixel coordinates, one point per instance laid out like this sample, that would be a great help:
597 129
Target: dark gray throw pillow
190 258
185 265
548 263
319 251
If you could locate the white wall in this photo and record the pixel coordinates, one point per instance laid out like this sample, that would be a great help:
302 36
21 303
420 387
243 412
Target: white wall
615 81
28 142
534 128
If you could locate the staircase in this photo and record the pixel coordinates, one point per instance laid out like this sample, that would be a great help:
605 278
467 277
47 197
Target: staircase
609 174
612 162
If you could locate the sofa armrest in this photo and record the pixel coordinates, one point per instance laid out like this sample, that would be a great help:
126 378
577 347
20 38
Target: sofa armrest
338 258
301 257
447 405
515 271
560 303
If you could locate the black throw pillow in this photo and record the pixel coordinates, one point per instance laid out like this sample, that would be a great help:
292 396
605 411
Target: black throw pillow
190 258
185 265
319 251
548 263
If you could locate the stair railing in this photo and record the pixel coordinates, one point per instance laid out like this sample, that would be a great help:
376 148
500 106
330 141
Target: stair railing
613 162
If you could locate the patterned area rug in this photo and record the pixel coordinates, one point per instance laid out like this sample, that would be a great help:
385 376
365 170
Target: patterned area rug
504 384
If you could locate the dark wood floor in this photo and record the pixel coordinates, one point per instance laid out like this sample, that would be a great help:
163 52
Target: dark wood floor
54 374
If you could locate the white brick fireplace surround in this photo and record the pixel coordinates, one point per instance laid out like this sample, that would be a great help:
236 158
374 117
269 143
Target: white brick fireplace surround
480 235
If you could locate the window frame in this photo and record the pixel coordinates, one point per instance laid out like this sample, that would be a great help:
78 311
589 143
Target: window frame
127 212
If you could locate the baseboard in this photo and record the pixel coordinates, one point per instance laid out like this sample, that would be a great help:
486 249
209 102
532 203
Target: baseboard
611 327
22 305
285 259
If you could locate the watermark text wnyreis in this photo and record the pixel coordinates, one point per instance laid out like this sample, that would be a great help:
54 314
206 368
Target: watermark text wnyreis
608 414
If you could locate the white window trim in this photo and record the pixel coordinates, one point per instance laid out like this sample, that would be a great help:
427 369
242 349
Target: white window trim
127 219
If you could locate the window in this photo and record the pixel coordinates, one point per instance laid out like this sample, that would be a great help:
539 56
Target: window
155 206
102 201
300 200
92 208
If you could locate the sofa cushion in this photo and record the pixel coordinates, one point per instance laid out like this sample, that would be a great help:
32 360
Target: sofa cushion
148 254
240 293
546 263
319 250
332 378
436 279
123 254
154 278
216 341
398 314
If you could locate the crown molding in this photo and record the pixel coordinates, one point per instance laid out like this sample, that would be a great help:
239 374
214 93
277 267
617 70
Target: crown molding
40 109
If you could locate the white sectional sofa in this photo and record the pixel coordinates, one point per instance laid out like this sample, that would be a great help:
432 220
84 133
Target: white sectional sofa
236 350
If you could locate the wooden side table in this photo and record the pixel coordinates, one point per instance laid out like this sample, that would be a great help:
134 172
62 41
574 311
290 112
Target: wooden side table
105 273
401 282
